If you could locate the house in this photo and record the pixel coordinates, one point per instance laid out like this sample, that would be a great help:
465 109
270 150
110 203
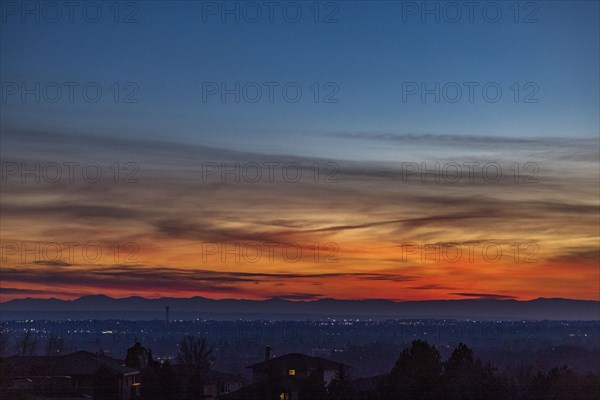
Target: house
288 377
218 384
44 388
70 376
297 366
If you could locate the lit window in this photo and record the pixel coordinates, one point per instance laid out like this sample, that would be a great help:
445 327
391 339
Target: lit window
292 372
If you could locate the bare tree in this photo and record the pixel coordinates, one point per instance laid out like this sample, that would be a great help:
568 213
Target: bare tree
195 353
198 356
55 345
3 343
27 345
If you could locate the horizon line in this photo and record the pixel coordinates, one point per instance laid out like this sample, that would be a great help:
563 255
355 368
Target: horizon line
283 298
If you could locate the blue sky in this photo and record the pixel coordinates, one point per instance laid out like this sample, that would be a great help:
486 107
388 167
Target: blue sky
368 54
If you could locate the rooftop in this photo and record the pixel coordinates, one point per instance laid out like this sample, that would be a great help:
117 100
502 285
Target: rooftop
78 363
297 361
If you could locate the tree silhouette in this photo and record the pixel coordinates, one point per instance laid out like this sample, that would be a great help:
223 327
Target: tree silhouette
159 382
313 387
416 374
195 353
151 361
562 383
27 345
340 387
467 378
3 343
137 356
55 345
198 356
460 360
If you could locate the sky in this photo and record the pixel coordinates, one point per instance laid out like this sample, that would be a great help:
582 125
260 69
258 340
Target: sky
300 150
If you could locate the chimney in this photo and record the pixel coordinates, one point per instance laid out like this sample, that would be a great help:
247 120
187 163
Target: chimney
268 353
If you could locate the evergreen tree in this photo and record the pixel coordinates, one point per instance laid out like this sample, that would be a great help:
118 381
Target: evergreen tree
137 356
340 386
467 378
416 374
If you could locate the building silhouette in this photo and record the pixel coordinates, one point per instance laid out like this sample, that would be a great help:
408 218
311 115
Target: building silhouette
289 377
76 375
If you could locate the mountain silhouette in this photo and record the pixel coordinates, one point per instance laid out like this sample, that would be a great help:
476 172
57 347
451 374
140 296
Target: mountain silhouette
105 307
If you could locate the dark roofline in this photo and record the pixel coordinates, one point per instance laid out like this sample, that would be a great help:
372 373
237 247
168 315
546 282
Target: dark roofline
114 364
210 373
319 359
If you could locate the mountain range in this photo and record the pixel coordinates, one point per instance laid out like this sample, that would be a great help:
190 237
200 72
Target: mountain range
140 308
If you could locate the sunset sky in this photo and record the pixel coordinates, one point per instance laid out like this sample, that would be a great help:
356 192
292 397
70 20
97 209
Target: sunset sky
341 207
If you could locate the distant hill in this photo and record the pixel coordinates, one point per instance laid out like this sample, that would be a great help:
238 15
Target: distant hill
139 308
